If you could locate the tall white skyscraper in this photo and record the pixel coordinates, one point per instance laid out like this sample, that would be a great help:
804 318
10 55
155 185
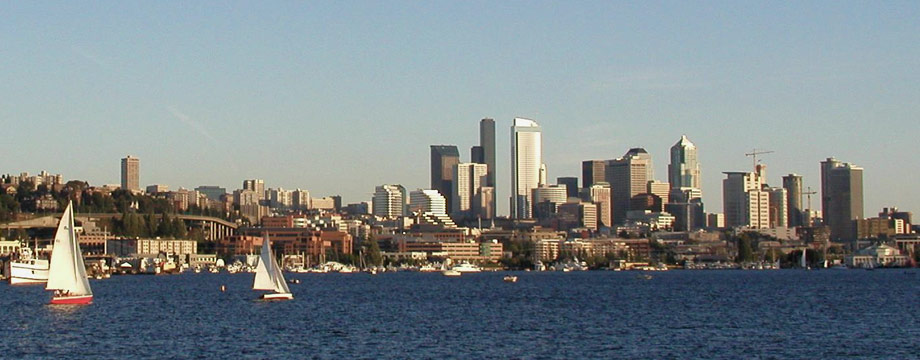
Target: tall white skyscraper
527 166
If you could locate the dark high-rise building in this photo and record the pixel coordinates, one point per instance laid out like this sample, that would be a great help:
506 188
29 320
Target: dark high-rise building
571 185
794 210
592 172
487 146
841 197
443 160
477 156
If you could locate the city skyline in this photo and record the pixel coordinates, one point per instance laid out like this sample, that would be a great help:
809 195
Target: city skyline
213 95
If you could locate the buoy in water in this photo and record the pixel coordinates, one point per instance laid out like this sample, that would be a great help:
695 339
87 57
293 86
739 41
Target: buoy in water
223 288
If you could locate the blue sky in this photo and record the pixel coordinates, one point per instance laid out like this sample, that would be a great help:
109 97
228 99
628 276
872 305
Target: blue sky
338 97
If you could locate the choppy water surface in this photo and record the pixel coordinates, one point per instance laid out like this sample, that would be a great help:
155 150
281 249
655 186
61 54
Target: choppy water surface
676 314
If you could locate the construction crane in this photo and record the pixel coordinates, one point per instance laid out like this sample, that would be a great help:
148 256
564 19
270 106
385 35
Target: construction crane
754 153
808 193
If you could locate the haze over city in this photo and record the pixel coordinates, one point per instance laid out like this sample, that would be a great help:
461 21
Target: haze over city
340 98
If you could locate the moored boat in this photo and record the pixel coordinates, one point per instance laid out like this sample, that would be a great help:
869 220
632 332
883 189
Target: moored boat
28 269
510 278
451 273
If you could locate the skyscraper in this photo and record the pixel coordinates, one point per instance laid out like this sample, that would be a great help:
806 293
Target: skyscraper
599 194
793 185
628 176
443 160
487 143
131 173
841 197
744 202
592 172
571 185
487 148
526 165
684 169
469 179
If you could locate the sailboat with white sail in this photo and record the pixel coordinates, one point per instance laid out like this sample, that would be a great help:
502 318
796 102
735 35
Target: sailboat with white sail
269 277
66 273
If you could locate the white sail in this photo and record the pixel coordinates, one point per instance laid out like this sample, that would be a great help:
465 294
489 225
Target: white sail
268 274
263 280
66 271
803 263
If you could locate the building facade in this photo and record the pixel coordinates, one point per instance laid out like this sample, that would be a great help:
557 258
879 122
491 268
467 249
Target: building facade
527 169
841 197
131 173
628 176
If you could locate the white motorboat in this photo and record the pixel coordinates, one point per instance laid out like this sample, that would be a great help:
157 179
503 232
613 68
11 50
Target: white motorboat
466 267
451 273
28 269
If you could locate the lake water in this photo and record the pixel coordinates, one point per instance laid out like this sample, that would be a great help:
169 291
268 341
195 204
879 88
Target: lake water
600 314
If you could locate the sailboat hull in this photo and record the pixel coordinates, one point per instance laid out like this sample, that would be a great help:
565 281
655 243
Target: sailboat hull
276 296
72 300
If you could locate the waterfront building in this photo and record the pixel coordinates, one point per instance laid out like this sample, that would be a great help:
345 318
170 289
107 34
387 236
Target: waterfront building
130 174
527 168
593 172
841 197
469 179
628 176
389 201
443 160
877 256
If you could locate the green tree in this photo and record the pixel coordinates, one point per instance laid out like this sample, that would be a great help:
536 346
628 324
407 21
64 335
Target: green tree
179 229
372 252
745 249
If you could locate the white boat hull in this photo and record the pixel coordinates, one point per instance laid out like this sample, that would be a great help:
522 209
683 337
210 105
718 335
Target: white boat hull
31 272
277 296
